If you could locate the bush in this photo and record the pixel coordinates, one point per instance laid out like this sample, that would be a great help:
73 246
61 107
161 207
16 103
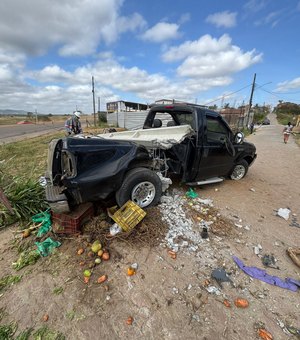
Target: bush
102 117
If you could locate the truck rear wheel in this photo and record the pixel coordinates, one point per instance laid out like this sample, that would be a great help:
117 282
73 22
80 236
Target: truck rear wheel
142 186
240 170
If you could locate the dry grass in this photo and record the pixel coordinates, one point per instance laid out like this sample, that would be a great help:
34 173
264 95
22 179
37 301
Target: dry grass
149 232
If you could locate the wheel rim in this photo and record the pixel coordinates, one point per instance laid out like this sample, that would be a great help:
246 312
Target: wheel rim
238 172
143 194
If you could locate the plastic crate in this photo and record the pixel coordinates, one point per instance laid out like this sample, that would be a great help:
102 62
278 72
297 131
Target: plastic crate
70 223
128 216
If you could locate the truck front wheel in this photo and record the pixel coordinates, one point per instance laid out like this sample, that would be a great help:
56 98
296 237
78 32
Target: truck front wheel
142 186
240 170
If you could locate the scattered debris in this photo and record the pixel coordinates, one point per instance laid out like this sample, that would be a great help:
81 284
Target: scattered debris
261 274
252 189
294 222
46 247
257 249
293 254
269 261
293 330
204 233
191 193
284 213
220 276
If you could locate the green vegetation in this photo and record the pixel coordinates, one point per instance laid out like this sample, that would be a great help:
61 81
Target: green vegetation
58 290
7 331
27 257
44 333
287 112
8 280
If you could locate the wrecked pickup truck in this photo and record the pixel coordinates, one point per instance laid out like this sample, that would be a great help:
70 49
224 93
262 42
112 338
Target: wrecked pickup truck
186 140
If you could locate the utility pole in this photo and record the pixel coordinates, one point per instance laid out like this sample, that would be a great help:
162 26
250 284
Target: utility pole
99 104
36 117
251 97
93 91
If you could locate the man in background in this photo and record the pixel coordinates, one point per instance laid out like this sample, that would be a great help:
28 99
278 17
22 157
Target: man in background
73 125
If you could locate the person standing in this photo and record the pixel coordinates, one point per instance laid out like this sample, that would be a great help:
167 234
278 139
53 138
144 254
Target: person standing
73 125
287 131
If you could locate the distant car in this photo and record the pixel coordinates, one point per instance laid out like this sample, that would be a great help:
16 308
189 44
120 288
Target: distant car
266 121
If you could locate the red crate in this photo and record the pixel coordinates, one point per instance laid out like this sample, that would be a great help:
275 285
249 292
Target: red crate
71 223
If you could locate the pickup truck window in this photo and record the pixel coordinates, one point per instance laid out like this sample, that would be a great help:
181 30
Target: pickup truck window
216 131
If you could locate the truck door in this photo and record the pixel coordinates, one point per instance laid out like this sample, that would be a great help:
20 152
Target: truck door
217 158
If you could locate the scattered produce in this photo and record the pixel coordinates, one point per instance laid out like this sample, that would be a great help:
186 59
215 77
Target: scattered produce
130 271
265 334
45 317
86 279
129 321
98 260
87 273
105 256
80 251
241 303
100 253
227 303
96 246
102 278
172 254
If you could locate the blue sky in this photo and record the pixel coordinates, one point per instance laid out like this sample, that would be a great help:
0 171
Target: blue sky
198 51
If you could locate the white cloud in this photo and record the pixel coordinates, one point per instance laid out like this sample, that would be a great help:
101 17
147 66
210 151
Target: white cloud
255 5
288 85
76 26
271 19
162 31
208 57
222 19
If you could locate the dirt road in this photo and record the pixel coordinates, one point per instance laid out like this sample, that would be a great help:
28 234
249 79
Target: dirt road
177 298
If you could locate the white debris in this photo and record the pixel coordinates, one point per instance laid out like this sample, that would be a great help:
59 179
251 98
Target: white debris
166 182
257 249
182 232
213 290
252 189
115 229
284 213
238 225
247 227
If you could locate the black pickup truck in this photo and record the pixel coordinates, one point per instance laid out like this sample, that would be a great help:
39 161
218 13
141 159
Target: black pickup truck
189 141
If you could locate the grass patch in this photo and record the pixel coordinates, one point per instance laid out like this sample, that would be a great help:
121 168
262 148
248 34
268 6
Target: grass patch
44 333
26 157
58 290
284 118
7 331
9 280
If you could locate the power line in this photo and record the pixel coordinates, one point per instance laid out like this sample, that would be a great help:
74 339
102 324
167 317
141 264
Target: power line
229 94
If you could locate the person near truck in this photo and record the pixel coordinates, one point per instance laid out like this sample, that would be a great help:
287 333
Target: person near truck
73 125
287 130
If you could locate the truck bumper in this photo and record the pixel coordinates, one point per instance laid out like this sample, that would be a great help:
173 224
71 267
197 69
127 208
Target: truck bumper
56 199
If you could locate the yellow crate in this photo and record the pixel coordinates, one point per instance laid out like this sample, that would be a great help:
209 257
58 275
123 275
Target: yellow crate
128 216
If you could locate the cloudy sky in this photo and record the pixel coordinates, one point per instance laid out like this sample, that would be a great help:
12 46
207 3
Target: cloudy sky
198 51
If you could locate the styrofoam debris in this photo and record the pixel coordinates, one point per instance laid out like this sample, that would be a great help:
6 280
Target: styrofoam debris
284 213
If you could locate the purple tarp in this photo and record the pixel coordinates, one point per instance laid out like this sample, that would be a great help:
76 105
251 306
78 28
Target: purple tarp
261 275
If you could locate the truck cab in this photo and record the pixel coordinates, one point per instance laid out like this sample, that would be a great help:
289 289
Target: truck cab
189 141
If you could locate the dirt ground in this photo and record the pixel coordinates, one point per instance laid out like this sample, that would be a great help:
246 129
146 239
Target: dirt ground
177 298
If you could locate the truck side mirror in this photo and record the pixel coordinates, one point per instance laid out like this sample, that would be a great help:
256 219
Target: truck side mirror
239 138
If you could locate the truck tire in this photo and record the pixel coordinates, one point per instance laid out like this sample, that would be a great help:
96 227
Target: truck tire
240 170
142 186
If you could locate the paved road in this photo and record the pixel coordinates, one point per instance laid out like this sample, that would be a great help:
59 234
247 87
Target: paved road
16 132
